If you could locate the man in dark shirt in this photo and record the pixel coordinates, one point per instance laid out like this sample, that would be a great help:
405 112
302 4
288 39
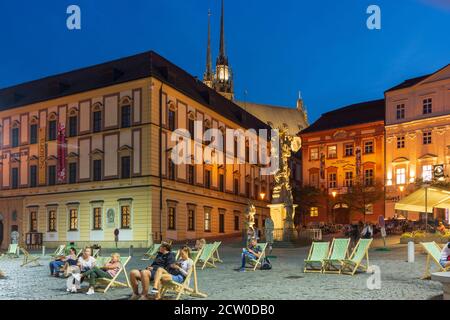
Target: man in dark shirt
252 252
164 259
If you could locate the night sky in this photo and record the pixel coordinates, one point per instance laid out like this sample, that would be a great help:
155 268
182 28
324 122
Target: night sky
275 48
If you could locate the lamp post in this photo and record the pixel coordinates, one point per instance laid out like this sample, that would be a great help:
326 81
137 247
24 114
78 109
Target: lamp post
426 186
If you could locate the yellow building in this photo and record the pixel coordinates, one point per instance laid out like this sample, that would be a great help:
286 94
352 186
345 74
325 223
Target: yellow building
417 136
87 152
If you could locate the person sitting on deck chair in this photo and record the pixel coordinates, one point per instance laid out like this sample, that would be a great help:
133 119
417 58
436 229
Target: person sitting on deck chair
252 252
445 254
164 259
109 270
177 271
199 244
56 265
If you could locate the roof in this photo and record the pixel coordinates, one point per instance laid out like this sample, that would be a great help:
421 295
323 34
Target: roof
413 81
277 116
364 112
126 69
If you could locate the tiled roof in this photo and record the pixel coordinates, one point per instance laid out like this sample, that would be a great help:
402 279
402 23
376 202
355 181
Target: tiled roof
365 112
126 69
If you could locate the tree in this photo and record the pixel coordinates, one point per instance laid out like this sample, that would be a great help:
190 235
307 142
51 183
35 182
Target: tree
360 196
305 197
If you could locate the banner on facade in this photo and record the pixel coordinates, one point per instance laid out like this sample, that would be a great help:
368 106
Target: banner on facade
322 166
42 156
62 153
358 161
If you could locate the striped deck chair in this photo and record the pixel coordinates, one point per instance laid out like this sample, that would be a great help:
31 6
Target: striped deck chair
13 251
317 254
28 258
433 254
256 262
338 252
114 282
361 251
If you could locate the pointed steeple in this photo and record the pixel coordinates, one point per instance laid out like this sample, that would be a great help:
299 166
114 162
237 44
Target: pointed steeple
222 58
208 75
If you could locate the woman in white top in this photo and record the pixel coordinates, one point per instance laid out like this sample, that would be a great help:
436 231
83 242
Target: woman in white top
177 272
85 263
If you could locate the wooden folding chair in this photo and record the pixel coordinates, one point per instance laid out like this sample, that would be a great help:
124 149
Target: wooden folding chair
13 251
114 282
317 254
28 258
60 251
256 262
338 253
216 256
151 252
206 256
361 251
433 254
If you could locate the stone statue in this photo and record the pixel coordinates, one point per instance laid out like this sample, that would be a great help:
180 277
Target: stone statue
15 237
250 216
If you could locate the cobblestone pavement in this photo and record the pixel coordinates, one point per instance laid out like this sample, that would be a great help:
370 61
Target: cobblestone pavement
400 279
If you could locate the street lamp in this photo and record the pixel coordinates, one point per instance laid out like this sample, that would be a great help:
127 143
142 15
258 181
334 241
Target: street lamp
334 194
262 195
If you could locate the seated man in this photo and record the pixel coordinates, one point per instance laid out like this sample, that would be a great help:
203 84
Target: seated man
164 259
252 252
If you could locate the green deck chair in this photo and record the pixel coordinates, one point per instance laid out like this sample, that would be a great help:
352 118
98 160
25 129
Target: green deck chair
13 251
361 251
256 262
60 251
151 253
317 254
338 252
216 255
206 256
433 254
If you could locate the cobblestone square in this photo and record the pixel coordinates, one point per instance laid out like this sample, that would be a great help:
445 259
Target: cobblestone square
400 280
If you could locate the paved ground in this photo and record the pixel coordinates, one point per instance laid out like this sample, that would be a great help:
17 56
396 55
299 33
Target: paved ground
399 279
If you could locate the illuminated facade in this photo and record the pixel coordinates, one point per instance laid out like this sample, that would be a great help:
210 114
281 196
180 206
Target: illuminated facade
417 135
87 152
341 147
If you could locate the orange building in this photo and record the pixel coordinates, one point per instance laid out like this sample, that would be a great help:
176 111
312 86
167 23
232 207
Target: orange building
341 147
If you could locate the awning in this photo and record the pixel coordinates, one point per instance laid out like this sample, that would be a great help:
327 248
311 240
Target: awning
436 198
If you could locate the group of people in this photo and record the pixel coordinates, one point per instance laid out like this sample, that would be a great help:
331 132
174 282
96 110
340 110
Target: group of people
163 268
84 267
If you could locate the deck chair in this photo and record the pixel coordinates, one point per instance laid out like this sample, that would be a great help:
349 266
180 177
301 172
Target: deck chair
60 251
96 253
113 282
317 254
206 256
216 256
13 251
361 251
256 262
183 288
152 252
28 258
338 253
433 253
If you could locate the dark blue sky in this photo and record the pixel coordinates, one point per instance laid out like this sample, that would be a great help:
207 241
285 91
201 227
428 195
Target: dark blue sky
276 48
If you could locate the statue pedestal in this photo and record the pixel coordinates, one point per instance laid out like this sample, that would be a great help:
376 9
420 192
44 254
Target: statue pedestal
278 215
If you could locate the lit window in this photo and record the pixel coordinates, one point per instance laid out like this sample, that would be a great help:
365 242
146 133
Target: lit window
427 173
33 221
51 220
125 217
400 175
332 180
207 220
368 177
97 218
73 220
332 152
369 208
172 219
314 212
349 179
314 154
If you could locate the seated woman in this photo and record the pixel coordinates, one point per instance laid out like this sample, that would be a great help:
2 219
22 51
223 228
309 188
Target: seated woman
441 228
109 270
177 272
55 266
199 244
85 263
70 265
252 252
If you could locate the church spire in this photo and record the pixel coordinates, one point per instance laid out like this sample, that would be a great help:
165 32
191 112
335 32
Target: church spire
208 75
222 58
223 79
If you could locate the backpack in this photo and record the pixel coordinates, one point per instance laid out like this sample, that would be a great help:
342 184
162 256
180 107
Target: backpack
265 264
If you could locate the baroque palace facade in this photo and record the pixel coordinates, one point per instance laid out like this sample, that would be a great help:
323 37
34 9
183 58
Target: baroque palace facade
417 136
87 152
